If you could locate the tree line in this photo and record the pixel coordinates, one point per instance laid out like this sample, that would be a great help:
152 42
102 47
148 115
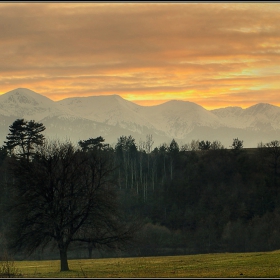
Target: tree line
197 198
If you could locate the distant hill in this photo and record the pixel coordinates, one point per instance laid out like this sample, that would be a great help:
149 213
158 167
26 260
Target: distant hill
80 118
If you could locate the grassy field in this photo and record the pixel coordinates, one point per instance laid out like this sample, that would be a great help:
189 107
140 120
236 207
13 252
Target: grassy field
265 264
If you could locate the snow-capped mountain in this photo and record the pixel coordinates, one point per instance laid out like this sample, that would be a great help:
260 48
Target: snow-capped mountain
111 110
80 118
261 116
25 103
60 122
178 118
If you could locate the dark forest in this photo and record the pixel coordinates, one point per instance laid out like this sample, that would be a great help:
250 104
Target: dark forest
197 198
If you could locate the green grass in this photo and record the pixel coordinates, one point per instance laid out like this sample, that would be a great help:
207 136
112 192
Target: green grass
265 264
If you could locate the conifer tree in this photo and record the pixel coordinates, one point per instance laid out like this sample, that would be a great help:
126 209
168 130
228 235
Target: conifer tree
23 136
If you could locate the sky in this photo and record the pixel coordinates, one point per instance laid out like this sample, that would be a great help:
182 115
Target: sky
213 54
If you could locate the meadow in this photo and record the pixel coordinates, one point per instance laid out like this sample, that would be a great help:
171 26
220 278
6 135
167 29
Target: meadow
257 264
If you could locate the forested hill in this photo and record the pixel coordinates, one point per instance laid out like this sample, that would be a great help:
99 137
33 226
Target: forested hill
210 200
195 200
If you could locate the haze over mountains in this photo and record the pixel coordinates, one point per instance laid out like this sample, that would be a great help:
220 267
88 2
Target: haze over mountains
80 118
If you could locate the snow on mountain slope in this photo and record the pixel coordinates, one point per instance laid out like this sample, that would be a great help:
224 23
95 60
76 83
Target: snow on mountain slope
178 118
262 116
112 116
229 116
174 118
257 117
25 103
110 109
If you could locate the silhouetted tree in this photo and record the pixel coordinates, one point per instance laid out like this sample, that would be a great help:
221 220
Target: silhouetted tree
23 136
126 153
216 145
93 143
237 144
272 152
3 154
65 195
204 145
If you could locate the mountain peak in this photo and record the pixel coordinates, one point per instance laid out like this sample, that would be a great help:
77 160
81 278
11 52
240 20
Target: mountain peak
113 115
261 108
24 97
175 102
22 90
23 102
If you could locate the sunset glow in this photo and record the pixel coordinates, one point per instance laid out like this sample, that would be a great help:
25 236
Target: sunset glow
213 54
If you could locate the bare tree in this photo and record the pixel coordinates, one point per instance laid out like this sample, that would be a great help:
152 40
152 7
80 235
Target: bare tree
237 144
273 151
194 145
216 145
65 195
149 143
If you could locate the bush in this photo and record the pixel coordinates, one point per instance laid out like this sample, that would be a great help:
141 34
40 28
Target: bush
8 268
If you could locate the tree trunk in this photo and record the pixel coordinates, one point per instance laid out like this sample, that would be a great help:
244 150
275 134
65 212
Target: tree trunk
90 248
63 260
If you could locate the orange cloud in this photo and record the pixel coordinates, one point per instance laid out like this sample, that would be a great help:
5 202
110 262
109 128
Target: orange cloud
214 54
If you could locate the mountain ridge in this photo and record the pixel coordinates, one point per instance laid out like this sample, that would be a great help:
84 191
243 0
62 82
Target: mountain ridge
82 117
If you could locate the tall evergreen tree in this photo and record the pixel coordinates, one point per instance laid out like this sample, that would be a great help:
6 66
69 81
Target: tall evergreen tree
23 136
93 143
